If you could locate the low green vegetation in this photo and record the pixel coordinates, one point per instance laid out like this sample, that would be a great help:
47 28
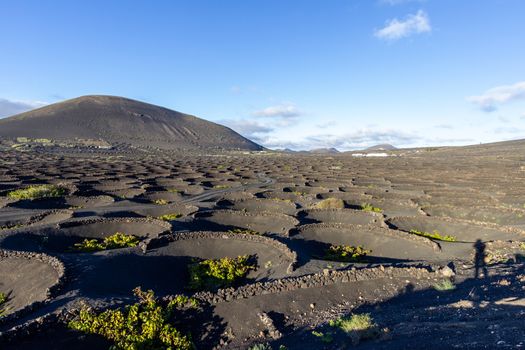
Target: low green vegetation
115 241
371 208
221 187
444 285
262 346
38 191
160 201
174 190
219 273
298 193
170 217
434 235
244 231
145 325
353 323
345 253
3 300
324 337
330 203
358 327
10 227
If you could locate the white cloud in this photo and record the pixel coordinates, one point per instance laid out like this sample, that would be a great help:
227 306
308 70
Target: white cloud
284 110
248 128
492 98
12 107
412 24
358 139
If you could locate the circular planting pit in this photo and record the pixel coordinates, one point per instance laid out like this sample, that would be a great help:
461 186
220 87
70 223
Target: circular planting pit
27 279
306 190
108 186
343 216
164 267
497 215
126 193
163 196
63 237
21 218
386 245
302 200
273 258
160 210
89 202
223 220
463 231
238 196
269 205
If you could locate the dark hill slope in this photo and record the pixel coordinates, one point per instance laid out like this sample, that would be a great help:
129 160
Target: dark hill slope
119 120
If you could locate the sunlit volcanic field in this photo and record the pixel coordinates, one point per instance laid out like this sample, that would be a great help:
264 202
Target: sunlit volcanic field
441 230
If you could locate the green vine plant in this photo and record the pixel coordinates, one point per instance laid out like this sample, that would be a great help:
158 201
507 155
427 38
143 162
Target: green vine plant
115 241
145 325
243 231
345 253
37 192
219 273
170 217
434 235
3 299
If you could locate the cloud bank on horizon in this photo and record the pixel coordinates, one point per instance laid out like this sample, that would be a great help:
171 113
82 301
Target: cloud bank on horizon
12 107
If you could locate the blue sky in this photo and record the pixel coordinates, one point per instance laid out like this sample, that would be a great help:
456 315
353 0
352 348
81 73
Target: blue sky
300 74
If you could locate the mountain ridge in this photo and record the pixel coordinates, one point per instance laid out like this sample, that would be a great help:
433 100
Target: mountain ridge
122 120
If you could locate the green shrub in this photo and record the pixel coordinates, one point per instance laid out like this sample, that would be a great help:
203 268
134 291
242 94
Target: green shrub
170 217
370 207
38 191
160 202
444 285
3 300
221 187
324 337
345 253
218 273
263 346
353 323
182 300
434 235
145 325
330 203
244 231
115 241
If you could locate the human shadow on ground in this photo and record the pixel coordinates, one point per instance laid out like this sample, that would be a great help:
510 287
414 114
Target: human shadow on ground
476 313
